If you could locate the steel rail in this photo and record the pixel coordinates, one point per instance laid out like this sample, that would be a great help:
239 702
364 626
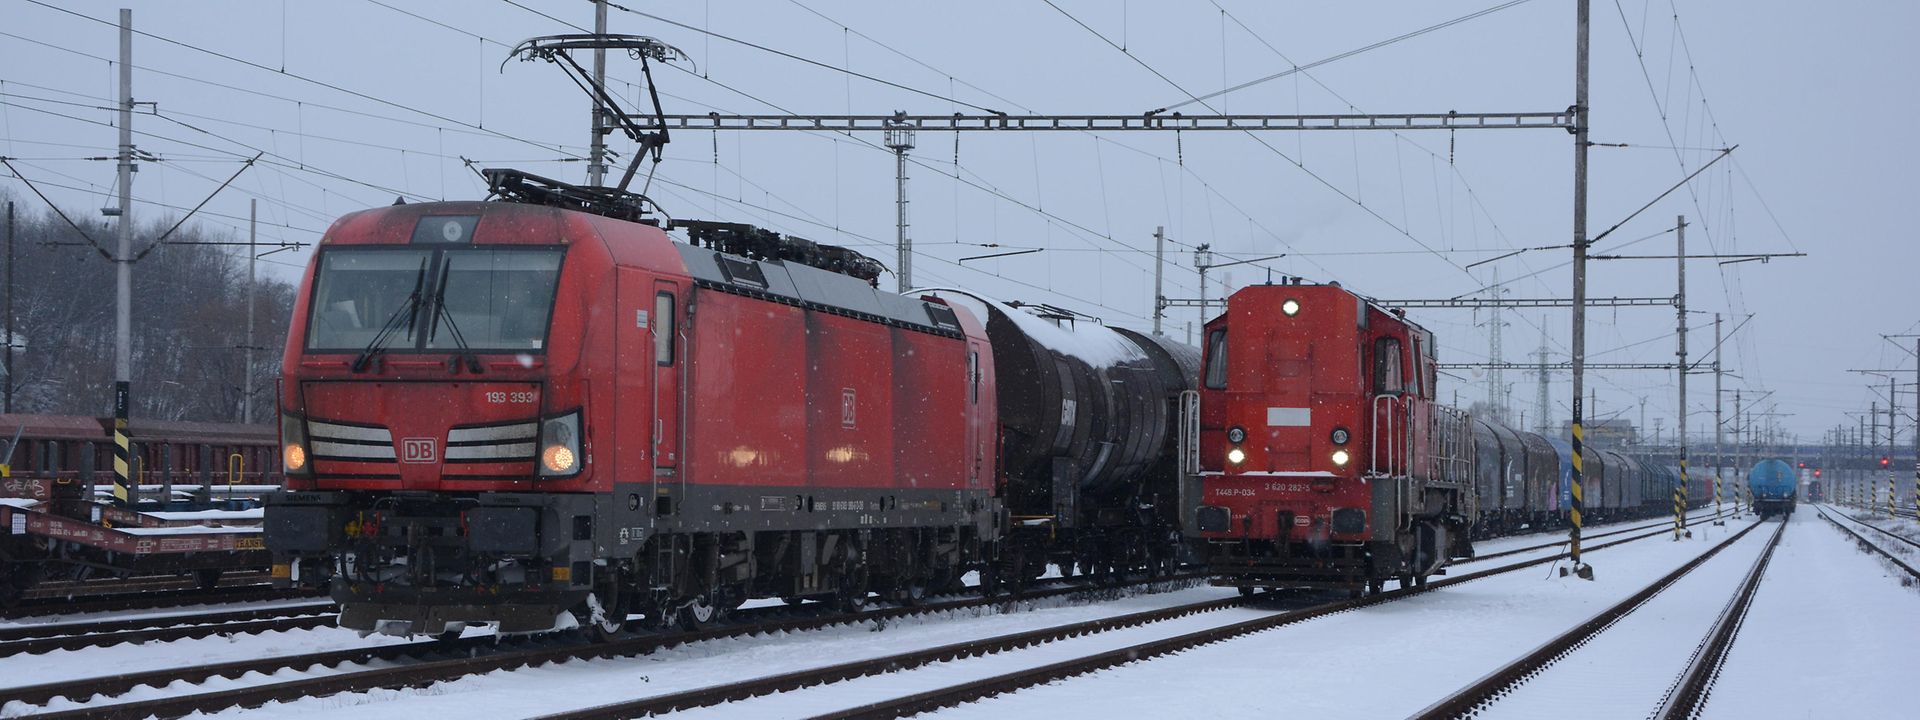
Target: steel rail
1489 688
151 600
1873 527
1588 536
1902 564
1689 695
162 634
49 630
924 702
432 671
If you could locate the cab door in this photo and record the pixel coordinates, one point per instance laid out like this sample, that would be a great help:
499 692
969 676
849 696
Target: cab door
668 354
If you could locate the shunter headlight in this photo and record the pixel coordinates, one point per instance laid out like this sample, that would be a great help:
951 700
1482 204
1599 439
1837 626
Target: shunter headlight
1291 307
1236 435
293 444
560 445
1340 458
1236 456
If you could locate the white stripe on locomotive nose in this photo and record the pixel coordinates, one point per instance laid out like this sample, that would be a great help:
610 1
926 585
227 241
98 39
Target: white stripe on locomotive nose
523 451
343 450
1289 417
495 432
331 431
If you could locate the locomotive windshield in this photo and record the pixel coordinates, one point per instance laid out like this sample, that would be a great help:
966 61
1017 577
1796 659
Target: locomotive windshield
496 299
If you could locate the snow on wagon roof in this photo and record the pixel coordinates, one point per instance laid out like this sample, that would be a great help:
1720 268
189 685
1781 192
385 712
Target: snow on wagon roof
1096 344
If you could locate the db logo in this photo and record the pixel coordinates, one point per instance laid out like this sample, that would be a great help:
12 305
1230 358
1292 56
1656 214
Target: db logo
418 450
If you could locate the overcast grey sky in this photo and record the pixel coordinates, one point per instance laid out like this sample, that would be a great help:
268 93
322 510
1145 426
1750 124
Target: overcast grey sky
1388 214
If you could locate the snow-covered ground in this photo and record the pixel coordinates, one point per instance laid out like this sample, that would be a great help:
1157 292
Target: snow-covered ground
1902 527
1832 633
1827 618
1389 660
1637 660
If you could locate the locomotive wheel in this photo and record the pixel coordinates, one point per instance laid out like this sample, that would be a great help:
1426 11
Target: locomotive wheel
1246 591
1375 587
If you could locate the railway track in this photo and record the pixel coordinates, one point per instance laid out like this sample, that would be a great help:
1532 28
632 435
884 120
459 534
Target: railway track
949 696
436 661
1864 542
1687 694
1667 523
150 600
33 639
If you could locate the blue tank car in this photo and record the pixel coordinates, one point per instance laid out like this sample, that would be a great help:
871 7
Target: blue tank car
1773 484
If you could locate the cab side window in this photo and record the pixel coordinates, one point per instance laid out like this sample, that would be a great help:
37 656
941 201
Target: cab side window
1216 375
1386 366
663 328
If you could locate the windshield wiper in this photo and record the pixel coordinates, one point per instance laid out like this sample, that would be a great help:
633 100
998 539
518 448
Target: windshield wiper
386 329
440 311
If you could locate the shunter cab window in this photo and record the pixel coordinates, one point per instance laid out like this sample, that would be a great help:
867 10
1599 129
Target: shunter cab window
663 329
1386 366
1217 359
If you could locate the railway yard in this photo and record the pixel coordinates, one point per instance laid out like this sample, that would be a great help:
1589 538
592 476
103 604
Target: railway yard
862 359
1686 628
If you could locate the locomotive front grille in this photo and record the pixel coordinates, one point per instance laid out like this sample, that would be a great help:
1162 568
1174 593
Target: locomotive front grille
509 443
352 443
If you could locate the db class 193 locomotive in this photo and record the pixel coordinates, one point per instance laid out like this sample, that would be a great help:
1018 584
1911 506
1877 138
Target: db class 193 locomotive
507 412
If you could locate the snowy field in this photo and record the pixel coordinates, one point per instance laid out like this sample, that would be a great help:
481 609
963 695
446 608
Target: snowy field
1832 633
1827 616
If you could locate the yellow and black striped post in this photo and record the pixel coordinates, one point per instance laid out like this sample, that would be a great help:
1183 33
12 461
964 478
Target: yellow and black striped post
126 491
1576 503
1680 502
1891 494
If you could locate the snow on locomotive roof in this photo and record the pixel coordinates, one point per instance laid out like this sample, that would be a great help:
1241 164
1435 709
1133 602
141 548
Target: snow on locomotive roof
1096 344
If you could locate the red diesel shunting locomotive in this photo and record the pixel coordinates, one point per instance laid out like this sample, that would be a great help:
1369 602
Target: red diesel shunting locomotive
1324 459
501 412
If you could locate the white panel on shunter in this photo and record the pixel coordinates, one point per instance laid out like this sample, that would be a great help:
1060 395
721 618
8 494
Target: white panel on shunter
1289 417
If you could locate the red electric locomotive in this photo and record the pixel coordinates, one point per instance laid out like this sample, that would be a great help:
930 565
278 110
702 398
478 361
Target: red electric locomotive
502 412
1325 461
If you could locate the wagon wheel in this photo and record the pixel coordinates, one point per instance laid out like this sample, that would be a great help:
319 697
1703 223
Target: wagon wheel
207 578
601 621
15 580
699 613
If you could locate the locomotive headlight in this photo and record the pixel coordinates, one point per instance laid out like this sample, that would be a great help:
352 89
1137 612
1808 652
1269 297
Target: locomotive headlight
557 459
1340 436
1236 456
293 444
1340 458
1236 435
560 445
1291 307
